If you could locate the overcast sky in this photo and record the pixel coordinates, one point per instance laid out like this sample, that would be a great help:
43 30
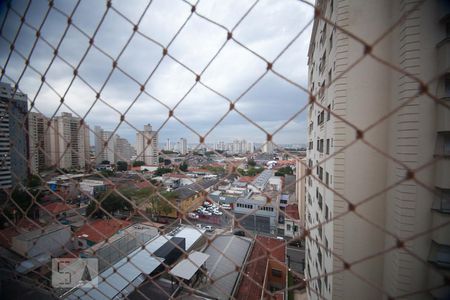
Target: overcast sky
266 30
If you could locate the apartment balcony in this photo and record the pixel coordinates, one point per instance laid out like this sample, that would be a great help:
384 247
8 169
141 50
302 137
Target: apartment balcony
443 173
439 255
443 49
442 233
443 117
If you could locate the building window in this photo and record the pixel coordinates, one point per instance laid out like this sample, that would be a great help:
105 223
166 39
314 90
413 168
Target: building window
441 201
440 255
320 200
327 175
331 41
447 85
288 227
328 112
443 144
328 146
277 273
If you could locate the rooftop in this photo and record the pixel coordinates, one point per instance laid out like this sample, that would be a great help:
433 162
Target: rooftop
56 207
256 268
100 230
188 267
187 191
226 252
37 233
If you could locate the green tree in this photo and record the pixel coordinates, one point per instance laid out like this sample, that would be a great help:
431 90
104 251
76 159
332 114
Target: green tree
162 170
162 206
109 202
34 181
138 163
122 166
251 163
284 171
184 167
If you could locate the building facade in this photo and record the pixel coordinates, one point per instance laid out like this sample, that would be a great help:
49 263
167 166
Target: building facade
69 142
413 203
183 148
147 146
39 142
124 150
13 137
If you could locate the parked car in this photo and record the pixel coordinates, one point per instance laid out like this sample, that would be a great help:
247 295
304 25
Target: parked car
209 228
207 213
239 232
193 215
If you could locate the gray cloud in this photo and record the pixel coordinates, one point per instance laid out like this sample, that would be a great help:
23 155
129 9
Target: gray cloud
266 30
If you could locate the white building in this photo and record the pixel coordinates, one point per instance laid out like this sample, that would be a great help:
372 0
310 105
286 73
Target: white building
182 146
69 142
147 146
39 142
168 146
415 135
268 147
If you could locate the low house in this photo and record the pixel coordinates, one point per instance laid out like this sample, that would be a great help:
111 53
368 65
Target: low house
98 231
56 210
54 239
190 196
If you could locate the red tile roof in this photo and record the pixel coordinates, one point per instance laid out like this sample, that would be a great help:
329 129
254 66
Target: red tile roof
100 230
292 211
256 266
56 208
246 179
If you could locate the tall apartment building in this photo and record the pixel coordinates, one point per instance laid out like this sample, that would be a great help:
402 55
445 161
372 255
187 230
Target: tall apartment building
69 142
124 150
268 147
168 145
414 135
13 137
147 146
39 142
182 146
105 145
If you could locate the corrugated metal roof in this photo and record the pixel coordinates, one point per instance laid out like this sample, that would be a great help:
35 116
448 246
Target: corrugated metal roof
221 265
187 267
111 283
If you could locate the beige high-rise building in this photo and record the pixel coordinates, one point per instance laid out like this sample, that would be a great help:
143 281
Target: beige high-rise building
69 142
105 146
124 150
147 146
39 142
417 136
